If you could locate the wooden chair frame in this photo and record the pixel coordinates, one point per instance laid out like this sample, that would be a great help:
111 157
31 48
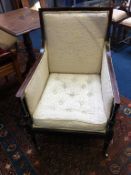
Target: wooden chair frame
109 128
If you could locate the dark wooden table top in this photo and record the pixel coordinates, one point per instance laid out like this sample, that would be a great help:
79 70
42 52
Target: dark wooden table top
20 21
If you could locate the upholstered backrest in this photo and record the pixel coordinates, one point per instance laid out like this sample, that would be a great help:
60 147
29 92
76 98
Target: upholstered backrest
6 40
75 40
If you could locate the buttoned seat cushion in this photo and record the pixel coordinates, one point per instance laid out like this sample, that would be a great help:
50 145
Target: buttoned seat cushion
118 15
71 102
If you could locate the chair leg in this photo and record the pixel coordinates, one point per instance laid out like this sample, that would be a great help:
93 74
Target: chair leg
33 135
26 122
6 78
108 138
17 70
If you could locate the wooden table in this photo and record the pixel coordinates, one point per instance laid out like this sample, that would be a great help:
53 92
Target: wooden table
21 22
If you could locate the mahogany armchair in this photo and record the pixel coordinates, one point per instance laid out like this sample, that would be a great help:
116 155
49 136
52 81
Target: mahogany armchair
73 88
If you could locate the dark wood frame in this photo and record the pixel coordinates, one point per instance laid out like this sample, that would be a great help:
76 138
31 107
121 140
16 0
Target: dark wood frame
109 128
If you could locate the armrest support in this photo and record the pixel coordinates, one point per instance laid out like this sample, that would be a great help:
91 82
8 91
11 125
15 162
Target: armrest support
20 93
108 81
33 86
112 76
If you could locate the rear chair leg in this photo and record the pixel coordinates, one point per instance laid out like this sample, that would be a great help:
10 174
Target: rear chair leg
108 138
33 136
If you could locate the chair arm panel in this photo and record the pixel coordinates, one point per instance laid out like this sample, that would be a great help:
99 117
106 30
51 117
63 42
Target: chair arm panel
34 84
107 92
112 76
110 91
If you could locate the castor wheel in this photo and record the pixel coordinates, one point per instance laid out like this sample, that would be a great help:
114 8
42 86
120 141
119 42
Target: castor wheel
106 155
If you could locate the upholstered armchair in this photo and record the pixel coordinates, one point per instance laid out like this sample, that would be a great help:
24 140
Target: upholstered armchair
7 41
8 56
73 86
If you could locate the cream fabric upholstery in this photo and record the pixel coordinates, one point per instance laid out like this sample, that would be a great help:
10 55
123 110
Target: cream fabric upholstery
36 6
6 40
37 84
72 102
126 22
107 92
118 15
71 88
67 32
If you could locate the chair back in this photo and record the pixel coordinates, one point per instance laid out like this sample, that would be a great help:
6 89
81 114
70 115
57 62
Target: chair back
74 39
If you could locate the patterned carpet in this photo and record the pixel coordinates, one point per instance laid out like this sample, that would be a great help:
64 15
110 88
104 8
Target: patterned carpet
61 154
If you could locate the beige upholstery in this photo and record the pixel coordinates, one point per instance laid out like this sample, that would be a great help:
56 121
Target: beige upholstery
70 101
70 33
71 87
37 84
126 22
6 40
118 15
107 93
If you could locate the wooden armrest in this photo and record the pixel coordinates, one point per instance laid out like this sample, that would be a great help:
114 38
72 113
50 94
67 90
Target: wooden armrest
112 76
20 92
6 53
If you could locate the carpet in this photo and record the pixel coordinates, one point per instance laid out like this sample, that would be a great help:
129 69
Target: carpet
60 154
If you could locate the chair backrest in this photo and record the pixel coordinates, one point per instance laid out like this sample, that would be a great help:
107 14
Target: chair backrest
74 39
6 40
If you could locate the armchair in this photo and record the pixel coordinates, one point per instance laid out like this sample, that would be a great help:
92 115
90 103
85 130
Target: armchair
8 56
73 86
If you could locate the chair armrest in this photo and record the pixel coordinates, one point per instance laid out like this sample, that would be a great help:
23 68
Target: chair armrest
21 90
34 84
110 92
112 76
6 53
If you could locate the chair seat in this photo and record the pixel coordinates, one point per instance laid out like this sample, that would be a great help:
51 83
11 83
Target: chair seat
126 22
118 15
70 102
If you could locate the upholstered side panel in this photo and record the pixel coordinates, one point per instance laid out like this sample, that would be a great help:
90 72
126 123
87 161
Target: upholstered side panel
6 40
37 84
107 91
75 40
